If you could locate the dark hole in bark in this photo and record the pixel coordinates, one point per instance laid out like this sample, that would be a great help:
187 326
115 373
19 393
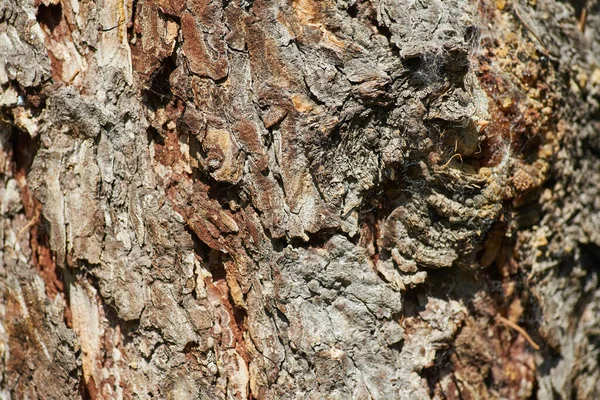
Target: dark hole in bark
211 258
411 304
457 64
438 370
88 389
159 93
316 239
239 314
223 192
25 148
282 316
489 381
83 390
590 257
50 15
426 69
384 30
353 10
155 136
397 346
35 99
131 25
472 35
190 346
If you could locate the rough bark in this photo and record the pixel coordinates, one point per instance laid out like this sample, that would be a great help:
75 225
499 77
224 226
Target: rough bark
366 199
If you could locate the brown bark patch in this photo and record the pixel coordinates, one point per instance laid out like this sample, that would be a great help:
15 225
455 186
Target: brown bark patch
42 256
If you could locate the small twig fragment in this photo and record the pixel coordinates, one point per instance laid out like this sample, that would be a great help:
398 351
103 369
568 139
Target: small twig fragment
583 17
529 28
32 222
451 158
517 328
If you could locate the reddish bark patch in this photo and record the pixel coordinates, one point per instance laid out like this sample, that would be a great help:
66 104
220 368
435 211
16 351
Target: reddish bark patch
68 317
166 145
44 262
237 326
149 44
49 16
41 254
42 257
197 52
91 390
57 32
17 329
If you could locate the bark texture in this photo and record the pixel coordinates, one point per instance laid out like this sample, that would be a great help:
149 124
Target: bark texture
299 199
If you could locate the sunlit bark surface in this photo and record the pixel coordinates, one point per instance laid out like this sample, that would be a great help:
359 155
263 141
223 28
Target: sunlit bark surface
338 199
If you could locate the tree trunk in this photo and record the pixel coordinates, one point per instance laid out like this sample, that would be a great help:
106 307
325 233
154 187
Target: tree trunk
299 199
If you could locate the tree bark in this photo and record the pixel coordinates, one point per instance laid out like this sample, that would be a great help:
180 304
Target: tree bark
299 199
